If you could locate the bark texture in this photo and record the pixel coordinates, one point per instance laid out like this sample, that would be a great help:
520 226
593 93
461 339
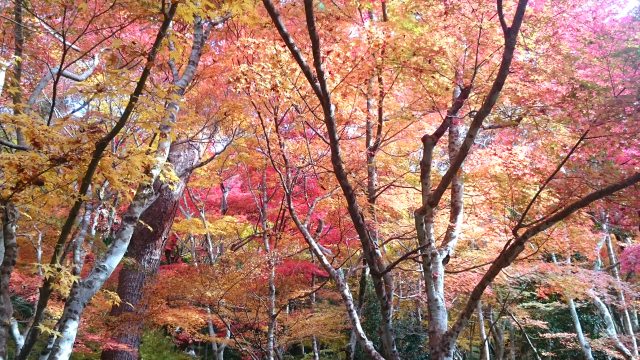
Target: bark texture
145 250
9 223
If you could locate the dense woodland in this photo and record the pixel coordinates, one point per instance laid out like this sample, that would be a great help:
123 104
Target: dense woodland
319 179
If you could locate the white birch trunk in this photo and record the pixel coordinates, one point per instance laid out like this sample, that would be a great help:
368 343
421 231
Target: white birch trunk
316 352
314 340
44 354
218 349
626 317
433 258
146 246
78 243
456 213
497 333
17 336
582 340
341 284
39 251
353 338
271 311
9 224
84 290
4 65
484 345
610 328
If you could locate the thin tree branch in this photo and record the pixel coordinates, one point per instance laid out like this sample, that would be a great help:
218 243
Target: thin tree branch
546 182
510 39
11 145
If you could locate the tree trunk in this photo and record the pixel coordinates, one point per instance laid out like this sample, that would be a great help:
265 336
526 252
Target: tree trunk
434 259
9 212
44 354
16 76
613 261
84 290
383 285
314 340
456 212
218 349
373 132
78 263
1 246
315 348
512 341
18 338
438 314
4 65
610 328
633 311
353 338
78 241
484 339
497 333
582 340
271 300
337 276
146 249
9 223
432 266
271 312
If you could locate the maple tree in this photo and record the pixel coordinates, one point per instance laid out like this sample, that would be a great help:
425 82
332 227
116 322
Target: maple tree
361 180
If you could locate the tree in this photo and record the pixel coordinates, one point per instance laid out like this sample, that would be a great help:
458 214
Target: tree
148 240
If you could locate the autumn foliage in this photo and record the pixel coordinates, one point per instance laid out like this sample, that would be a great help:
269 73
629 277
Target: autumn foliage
319 179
